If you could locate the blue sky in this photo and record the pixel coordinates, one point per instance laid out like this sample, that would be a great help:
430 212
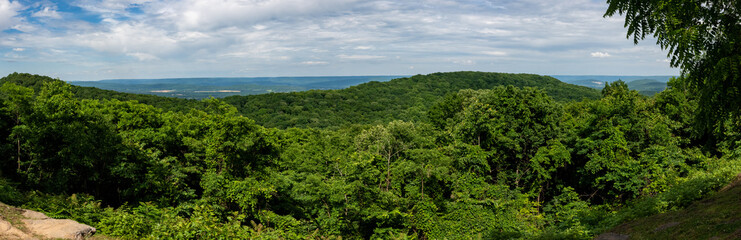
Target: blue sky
105 39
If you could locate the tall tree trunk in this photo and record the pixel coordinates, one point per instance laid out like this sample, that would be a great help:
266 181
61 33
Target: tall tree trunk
388 172
18 141
423 187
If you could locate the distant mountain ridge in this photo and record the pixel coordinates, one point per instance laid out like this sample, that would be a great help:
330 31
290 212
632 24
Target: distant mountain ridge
36 82
647 85
608 78
199 88
367 103
219 87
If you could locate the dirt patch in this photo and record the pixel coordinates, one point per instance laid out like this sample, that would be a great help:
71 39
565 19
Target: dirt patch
666 226
612 236
735 235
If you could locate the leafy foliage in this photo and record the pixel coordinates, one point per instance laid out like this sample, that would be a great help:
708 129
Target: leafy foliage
704 40
497 163
36 82
375 103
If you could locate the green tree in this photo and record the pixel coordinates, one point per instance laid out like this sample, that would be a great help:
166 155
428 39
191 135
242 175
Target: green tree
704 40
679 105
71 147
614 134
389 142
18 101
513 125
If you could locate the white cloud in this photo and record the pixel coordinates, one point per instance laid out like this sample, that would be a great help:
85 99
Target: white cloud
344 37
143 56
465 62
19 49
259 27
599 54
495 53
131 39
360 57
109 8
205 14
48 13
314 63
15 56
8 12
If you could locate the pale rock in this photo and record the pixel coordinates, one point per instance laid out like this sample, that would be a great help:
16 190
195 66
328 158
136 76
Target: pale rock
41 225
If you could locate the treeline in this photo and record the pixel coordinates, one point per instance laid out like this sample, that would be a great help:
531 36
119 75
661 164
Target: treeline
497 163
36 82
370 103
380 102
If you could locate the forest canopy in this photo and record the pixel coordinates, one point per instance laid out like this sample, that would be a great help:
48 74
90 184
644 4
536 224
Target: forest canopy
460 155
381 102
704 40
506 156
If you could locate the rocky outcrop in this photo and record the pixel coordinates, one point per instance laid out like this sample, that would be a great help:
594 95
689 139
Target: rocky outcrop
40 224
8 231
27 224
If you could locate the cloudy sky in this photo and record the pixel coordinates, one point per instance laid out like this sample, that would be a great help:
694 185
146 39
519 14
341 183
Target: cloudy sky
105 39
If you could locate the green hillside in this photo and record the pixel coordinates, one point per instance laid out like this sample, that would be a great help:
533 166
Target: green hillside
715 217
592 83
200 88
504 162
647 87
36 82
454 156
375 102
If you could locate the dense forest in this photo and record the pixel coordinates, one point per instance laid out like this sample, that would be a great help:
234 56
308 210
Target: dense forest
380 102
37 82
462 155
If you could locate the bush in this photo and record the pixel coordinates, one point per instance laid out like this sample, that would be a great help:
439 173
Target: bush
698 184
80 207
127 223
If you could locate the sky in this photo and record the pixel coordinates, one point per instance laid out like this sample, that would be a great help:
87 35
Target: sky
107 39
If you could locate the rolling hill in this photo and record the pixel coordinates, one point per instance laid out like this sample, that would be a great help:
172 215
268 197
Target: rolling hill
166 103
379 102
367 103
646 85
199 88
